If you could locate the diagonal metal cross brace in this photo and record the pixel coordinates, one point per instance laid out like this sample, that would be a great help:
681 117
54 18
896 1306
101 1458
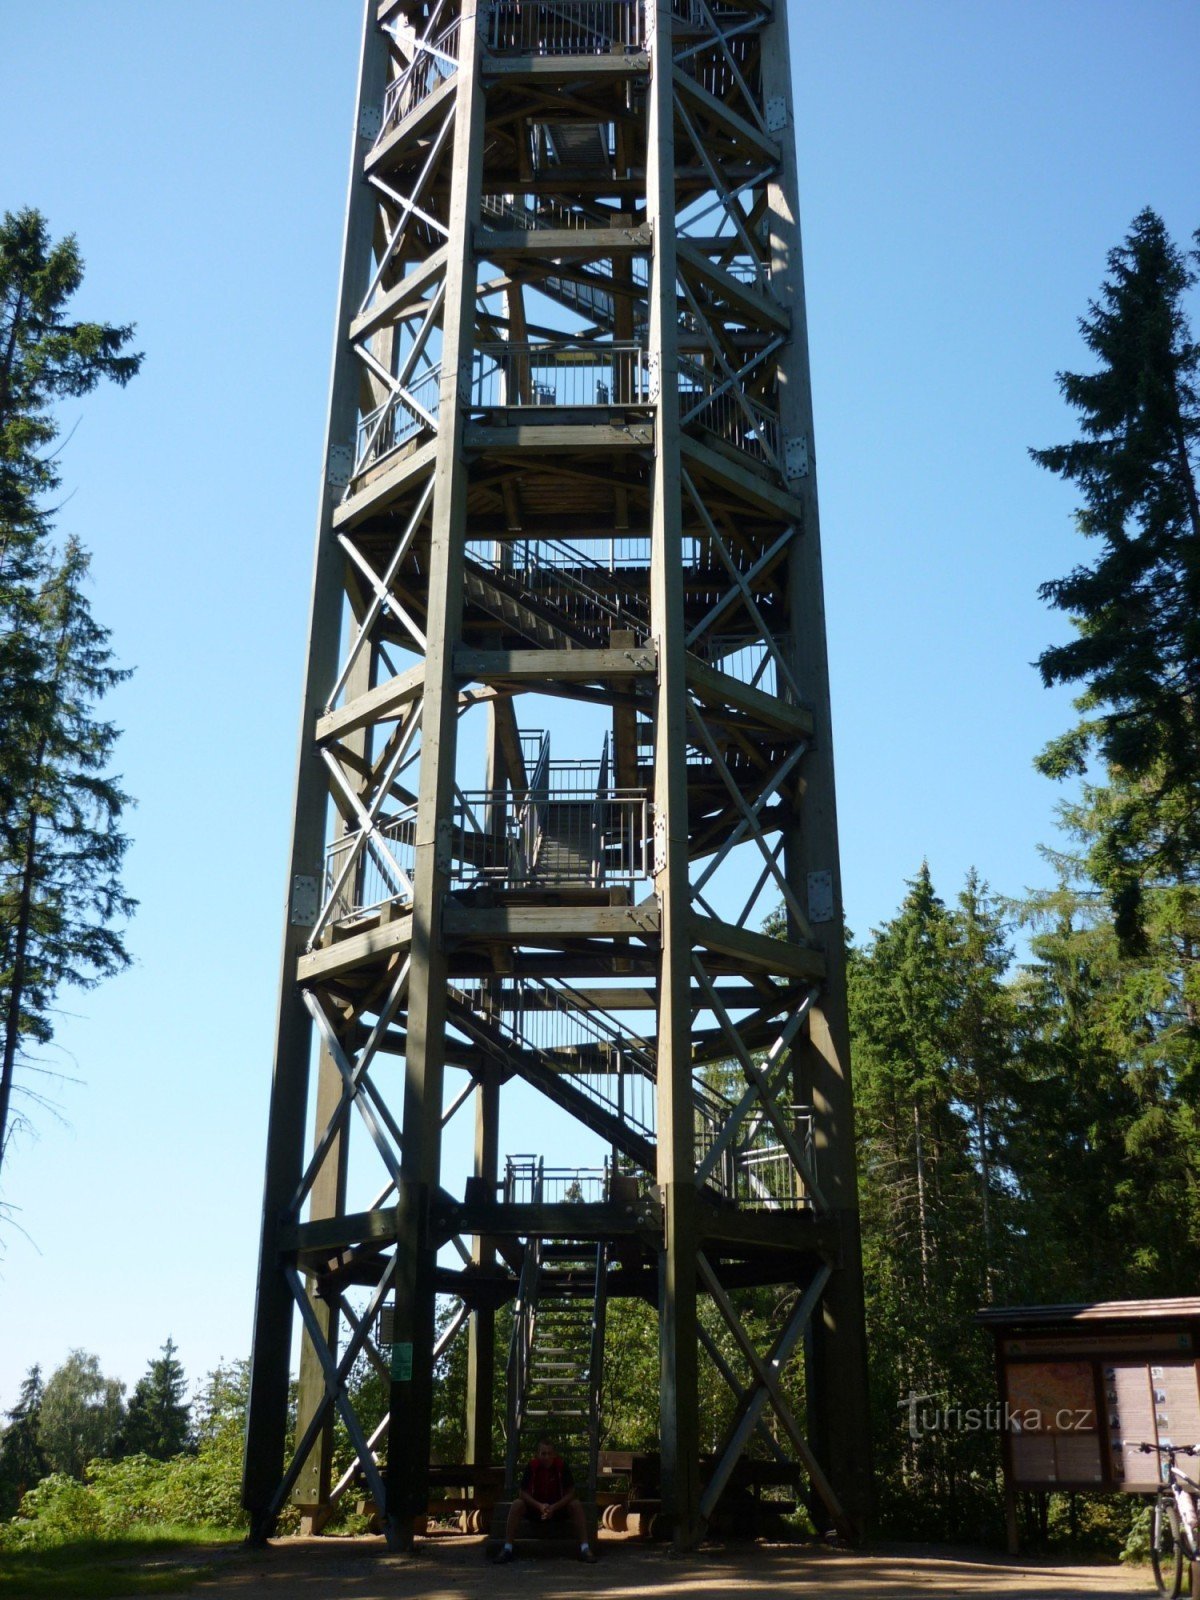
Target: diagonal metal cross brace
379 1432
367 830
761 881
407 204
717 611
750 815
732 211
349 1089
401 43
388 598
336 1374
732 383
767 1388
723 36
396 384
741 582
353 1085
735 380
381 592
717 1357
407 207
762 1085
777 777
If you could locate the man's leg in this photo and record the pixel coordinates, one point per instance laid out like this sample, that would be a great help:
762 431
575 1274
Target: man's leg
516 1515
579 1524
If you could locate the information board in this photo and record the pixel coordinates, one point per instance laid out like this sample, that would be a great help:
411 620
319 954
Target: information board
1057 1436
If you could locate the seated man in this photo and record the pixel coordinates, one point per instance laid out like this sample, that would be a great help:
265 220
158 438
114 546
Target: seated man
547 1493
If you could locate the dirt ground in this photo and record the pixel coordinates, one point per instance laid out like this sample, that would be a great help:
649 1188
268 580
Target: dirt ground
454 1569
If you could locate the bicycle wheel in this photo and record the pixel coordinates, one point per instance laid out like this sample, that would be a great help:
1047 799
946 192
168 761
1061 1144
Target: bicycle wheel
1166 1552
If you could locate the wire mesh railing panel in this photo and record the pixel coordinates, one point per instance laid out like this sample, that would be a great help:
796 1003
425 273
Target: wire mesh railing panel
528 1181
551 835
434 62
372 881
572 28
400 418
554 374
749 661
705 402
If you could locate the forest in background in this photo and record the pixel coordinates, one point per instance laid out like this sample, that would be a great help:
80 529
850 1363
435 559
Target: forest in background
1026 1126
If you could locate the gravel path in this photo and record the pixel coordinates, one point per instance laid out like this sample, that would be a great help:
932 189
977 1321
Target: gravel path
454 1569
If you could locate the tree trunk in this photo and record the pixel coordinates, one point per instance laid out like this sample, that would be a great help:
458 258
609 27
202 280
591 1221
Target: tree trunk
922 1218
12 1019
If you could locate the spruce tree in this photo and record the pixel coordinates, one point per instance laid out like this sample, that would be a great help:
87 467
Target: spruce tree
1136 608
22 1462
60 887
158 1418
60 843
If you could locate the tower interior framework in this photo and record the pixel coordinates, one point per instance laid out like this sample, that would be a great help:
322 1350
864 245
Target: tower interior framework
565 746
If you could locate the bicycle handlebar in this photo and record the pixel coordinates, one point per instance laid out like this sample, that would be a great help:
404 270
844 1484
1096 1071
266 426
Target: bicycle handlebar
1170 1449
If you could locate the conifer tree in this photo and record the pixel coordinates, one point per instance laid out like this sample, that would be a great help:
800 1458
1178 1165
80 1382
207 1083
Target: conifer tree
158 1418
22 1462
60 888
1136 609
60 843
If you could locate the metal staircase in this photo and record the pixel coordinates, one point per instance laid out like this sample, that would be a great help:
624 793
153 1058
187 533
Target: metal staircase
556 1353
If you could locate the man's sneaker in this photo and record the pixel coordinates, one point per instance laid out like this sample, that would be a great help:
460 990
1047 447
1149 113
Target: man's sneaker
589 1555
506 1554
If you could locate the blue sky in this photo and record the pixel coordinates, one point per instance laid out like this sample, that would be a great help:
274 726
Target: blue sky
964 169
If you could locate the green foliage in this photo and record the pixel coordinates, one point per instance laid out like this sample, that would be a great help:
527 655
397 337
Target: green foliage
60 841
22 1461
82 1415
1136 610
931 1022
158 1422
115 1496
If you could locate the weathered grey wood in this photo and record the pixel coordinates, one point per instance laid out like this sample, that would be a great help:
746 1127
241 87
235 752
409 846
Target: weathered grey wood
746 132
583 666
742 298
400 300
518 924
555 70
578 244
746 482
360 948
678 1369
400 474
772 955
717 689
839 1416
550 438
429 112
374 705
267 1407
411 1392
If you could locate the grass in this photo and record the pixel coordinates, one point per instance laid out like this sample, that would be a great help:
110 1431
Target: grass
160 1560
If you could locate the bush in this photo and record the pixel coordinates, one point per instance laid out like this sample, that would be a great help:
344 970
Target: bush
200 1491
59 1510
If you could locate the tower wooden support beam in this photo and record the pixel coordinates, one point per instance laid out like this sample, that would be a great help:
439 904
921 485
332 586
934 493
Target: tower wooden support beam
569 520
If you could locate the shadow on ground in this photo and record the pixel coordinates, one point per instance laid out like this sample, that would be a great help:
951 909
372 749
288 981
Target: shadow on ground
453 1568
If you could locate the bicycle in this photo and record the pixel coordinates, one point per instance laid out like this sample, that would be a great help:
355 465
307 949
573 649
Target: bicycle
1175 1522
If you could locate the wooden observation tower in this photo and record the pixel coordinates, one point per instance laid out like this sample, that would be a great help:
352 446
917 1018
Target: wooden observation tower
565 746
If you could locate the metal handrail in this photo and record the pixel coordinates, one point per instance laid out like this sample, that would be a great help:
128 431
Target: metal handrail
575 373
436 61
565 27
519 1347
